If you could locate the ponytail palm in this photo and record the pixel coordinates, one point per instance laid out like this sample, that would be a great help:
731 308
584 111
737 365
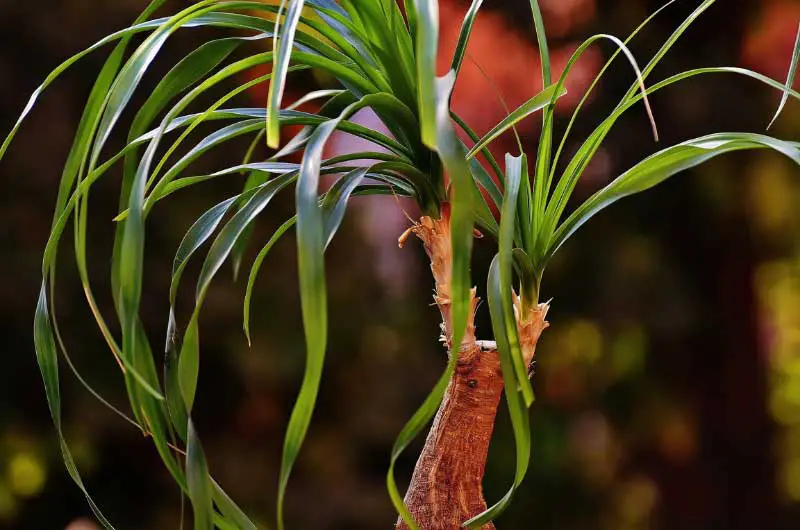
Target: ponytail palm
383 58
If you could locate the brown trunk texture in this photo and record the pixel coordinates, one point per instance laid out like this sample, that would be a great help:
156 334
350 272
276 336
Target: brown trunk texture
446 488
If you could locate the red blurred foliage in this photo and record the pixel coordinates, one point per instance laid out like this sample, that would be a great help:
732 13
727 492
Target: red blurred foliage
500 58
502 65
563 16
770 41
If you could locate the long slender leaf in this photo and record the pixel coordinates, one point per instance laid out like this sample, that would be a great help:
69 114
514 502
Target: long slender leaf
139 369
584 155
519 394
280 67
537 102
485 152
313 297
516 171
333 207
335 203
256 267
541 39
189 361
195 122
198 234
599 76
230 510
129 259
176 408
664 164
525 228
311 244
72 173
790 77
55 74
200 489
520 421
186 73
462 193
47 359
464 35
310 250
426 18
213 19
558 204
544 149
543 177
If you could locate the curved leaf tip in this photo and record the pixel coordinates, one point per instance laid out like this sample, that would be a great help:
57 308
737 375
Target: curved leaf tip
790 78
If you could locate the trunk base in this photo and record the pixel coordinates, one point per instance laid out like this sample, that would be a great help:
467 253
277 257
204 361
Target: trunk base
446 488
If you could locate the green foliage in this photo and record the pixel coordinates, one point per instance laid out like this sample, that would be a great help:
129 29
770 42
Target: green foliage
539 232
384 61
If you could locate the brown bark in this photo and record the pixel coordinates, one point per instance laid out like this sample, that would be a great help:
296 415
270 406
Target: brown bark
447 485
446 488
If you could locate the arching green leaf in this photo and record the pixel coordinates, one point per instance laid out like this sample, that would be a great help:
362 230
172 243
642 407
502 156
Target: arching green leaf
593 141
335 203
280 66
189 360
200 489
257 267
536 103
426 37
462 193
790 78
520 421
464 35
47 358
585 153
230 510
542 217
516 171
664 164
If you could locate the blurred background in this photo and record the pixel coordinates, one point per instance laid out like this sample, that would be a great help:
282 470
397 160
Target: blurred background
668 387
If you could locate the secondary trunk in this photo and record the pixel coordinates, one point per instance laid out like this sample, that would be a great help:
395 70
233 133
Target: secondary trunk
446 488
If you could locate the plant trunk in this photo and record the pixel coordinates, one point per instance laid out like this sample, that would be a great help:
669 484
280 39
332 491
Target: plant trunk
447 485
446 488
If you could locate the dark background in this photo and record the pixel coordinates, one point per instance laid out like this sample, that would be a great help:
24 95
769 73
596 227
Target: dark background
668 387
